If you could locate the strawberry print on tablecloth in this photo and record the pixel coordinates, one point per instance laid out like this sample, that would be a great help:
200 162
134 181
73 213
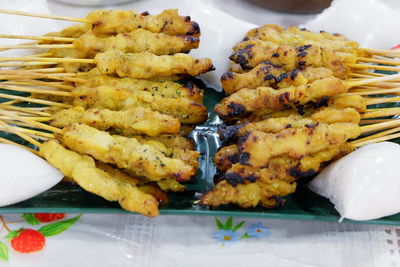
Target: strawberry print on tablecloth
29 240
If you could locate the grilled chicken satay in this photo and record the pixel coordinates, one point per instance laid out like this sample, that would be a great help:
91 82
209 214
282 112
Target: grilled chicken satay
73 31
188 156
146 65
170 185
126 153
292 57
108 97
294 35
139 40
248 195
131 121
170 141
266 99
271 75
247 186
256 148
83 170
277 123
107 22
164 89
148 188
228 156
341 108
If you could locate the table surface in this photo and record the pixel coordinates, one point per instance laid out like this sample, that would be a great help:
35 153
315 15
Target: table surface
133 240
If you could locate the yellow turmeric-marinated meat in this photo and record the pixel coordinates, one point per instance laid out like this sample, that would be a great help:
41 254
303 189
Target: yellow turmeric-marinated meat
293 57
83 170
136 41
73 31
126 153
170 141
248 186
170 185
271 75
295 36
147 65
332 115
128 122
281 167
266 99
168 89
248 195
121 21
148 188
256 148
187 155
342 108
108 97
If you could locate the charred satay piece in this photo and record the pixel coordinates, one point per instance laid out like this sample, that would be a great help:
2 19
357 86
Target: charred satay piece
126 153
131 121
119 21
271 75
83 170
247 186
294 57
256 148
294 35
266 99
248 195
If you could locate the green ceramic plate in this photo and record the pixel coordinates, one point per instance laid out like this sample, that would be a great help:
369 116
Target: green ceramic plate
303 205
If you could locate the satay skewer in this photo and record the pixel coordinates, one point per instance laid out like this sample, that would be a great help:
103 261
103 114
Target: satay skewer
377 140
39 38
46 16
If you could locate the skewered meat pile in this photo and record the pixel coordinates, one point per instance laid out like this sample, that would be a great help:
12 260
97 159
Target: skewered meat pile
119 114
288 112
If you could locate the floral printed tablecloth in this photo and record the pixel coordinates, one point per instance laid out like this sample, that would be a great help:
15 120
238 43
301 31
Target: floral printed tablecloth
133 240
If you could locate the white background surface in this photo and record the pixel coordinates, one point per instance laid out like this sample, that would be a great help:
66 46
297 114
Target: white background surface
132 240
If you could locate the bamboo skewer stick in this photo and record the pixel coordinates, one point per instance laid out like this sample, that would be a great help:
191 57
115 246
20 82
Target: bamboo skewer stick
372 80
33 100
376 113
379 126
49 59
20 134
382 52
376 140
22 64
47 54
36 46
6 141
26 110
368 121
48 70
31 74
40 38
33 122
27 43
11 102
46 16
381 100
375 92
34 90
36 82
374 67
380 134
38 134
379 61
